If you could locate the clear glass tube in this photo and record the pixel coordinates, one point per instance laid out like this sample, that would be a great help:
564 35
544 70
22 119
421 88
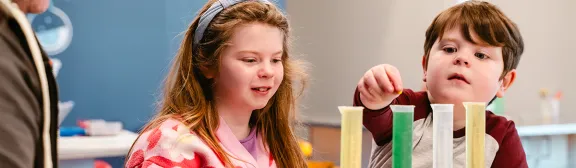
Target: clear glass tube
442 131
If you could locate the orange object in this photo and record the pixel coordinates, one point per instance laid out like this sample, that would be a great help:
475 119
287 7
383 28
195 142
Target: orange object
306 148
101 164
318 164
558 95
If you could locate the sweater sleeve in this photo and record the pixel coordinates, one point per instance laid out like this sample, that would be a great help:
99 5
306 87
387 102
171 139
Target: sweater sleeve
511 153
170 145
378 122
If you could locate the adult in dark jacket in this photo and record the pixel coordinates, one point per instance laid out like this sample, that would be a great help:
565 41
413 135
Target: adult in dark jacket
28 92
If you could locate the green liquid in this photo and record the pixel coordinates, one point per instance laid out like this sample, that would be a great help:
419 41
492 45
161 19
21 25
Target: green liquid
402 139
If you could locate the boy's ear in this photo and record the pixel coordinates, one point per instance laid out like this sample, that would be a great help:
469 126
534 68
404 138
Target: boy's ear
207 72
424 67
507 81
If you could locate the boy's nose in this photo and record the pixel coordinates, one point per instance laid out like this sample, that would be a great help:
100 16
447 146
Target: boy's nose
460 60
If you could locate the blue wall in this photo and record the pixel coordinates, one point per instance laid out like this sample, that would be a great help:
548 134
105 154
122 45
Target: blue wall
116 60
120 52
119 55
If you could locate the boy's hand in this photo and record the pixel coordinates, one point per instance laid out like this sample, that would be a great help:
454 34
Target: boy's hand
379 86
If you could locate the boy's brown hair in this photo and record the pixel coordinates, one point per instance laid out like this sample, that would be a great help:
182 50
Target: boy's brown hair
486 21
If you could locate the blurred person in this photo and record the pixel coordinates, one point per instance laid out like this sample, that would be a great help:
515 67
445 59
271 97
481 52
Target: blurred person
28 91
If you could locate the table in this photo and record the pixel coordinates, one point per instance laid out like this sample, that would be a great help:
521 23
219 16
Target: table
81 151
549 145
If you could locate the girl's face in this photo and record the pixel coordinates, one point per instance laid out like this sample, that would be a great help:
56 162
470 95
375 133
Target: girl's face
251 67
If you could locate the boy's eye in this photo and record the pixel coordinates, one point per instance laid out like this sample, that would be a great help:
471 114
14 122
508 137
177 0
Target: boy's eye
480 55
450 49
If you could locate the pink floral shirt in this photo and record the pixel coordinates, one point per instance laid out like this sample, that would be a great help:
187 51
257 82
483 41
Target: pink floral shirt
172 144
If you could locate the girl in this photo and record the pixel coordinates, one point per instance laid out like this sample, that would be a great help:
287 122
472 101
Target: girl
229 99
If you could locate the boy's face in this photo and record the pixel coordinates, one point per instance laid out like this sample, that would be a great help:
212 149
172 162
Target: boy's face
460 71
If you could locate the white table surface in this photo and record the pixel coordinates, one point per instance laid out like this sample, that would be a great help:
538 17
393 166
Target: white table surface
541 130
85 147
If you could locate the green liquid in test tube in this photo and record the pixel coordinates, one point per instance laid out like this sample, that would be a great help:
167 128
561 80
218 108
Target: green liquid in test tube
402 126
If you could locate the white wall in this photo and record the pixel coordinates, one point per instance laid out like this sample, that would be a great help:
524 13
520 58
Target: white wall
342 39
548 31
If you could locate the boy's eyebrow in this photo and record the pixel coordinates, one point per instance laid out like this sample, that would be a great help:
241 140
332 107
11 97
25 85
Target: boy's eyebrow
454 40
448 39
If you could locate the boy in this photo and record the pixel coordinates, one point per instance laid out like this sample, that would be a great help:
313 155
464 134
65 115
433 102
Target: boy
470 55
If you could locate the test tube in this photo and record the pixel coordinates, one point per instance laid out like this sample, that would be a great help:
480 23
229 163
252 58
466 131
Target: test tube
402 125
475 134
351 137
442 133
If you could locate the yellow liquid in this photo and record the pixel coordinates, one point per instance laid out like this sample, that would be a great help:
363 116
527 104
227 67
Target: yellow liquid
351 137
475 134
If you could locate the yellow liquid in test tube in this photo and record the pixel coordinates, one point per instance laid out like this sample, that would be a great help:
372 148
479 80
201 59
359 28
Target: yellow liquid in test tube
351 137
475 134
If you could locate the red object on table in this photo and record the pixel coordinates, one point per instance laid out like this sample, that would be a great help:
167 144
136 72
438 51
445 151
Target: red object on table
101 164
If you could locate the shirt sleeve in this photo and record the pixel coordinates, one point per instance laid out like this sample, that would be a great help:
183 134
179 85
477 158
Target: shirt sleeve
166 147
511 153
378 122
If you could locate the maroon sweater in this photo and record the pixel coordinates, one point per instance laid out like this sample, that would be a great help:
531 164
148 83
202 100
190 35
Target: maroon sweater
503 146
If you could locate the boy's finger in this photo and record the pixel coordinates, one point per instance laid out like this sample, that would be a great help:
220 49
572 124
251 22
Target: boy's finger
372 84
395 78
365 95
383 80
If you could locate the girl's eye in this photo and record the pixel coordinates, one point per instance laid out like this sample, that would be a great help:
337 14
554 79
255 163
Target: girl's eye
249 60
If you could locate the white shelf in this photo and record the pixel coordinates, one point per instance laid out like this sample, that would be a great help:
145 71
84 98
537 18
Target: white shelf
543 130
89 147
